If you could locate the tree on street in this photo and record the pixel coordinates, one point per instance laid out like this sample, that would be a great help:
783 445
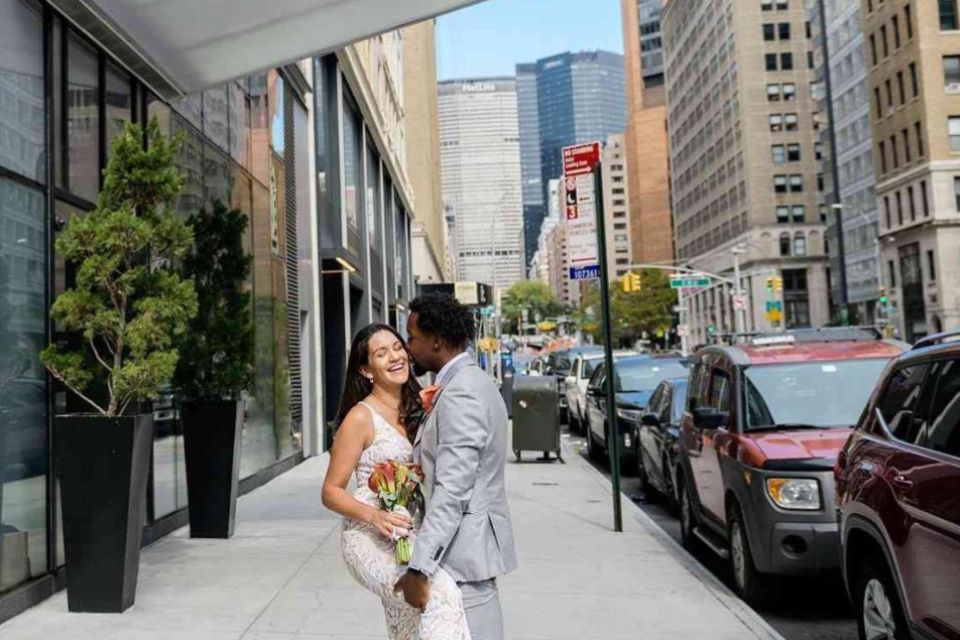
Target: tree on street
533 296
648 310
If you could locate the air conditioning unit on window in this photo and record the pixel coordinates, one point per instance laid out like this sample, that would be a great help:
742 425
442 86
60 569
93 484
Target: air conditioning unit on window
952 87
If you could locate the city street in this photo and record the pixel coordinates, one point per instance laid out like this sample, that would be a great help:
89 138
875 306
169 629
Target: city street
804 610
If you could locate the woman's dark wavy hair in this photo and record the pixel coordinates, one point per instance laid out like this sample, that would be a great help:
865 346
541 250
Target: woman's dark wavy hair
357 387
440 315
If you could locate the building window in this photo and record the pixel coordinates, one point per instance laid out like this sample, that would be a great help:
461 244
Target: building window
903 93
889 87
931 266
770 62
893 150
896 32
956 192
766 5
948 15
83 119
914 80
789 91
799 213
810 61
780 183
783 214
882 150
906 145
818 151
913 204
899 208
879 102
799 245
790 122
951 74
893 273
796 183
773 92
908 21
779 154
886 211
769 32
923 199
776 122
783 30
786 62
793 153
883 40
953 125
785 244
919 129
873 48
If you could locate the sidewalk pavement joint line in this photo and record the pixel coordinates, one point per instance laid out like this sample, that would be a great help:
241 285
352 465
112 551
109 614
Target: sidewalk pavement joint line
313 554
757 625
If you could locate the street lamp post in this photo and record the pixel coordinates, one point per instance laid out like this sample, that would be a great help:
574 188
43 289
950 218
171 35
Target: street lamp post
738 308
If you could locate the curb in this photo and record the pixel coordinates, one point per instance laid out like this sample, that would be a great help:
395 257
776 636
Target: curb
759 627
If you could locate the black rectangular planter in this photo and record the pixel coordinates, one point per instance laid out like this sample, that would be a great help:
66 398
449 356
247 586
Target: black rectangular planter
212 437
103 464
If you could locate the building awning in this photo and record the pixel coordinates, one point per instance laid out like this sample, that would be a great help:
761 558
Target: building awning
185 46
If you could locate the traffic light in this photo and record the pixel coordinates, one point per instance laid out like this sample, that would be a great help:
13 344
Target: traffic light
883 296
630 283
777 284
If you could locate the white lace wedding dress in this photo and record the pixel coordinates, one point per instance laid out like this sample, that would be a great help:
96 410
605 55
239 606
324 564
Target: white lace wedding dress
372 561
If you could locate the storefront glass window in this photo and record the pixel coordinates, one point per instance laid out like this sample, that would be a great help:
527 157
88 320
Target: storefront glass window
23 390
351 176
118 104
22 141
83 119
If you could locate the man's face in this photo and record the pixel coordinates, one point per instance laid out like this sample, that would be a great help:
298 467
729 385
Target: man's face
420 346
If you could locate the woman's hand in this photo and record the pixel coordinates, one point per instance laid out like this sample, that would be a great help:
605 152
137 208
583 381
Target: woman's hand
390 525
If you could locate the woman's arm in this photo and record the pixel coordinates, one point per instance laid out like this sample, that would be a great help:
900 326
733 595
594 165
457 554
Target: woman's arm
353 436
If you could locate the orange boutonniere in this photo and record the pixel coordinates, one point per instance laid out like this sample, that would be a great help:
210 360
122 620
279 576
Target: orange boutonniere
428 396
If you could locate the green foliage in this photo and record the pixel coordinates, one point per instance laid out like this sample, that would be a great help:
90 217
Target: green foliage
533 295
632 313
128 303
216 360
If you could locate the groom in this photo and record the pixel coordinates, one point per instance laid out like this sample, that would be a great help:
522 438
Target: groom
462 446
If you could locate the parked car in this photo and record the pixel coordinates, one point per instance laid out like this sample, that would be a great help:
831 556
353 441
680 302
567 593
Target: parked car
575 386
898 485
635 379
536 366
657 440
558 364
764 423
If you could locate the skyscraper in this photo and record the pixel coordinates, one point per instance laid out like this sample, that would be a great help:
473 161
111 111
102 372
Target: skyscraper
579 97
743 159
647 157
480 156
534 205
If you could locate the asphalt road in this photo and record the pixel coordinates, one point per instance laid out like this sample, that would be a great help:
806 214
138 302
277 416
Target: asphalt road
804 609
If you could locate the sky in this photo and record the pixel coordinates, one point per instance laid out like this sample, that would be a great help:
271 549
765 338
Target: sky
490 38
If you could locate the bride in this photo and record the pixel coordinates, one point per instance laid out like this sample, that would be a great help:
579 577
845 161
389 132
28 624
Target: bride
377 422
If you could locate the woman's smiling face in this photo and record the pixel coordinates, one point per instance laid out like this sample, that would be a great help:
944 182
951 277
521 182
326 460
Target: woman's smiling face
387 360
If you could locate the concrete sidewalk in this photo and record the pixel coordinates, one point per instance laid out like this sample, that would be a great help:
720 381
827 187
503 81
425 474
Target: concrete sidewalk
281 576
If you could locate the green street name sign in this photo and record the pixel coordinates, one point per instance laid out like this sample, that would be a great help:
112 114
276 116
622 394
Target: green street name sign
689 282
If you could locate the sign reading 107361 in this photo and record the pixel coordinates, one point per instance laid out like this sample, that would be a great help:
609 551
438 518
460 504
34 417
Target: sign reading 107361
580 210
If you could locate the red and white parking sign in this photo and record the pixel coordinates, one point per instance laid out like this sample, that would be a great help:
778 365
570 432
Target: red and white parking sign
580 206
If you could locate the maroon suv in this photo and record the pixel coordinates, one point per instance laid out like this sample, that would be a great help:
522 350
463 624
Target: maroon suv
898 485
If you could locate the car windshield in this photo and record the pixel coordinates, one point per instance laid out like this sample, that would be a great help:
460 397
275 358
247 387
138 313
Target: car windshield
645 375
816 394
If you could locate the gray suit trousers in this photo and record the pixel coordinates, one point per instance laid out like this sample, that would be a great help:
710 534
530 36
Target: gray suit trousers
481 601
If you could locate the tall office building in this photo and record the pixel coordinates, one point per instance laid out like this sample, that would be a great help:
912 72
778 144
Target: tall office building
648 164
534 205
743 161
849 111
579 97
480 158
913 84
616 195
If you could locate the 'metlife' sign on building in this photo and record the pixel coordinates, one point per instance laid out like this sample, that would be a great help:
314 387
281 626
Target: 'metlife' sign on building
580 210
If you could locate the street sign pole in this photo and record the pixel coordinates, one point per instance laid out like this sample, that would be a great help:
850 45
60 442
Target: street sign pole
613 435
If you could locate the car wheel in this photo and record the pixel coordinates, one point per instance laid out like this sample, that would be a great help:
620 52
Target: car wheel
751 585
688 519
879 610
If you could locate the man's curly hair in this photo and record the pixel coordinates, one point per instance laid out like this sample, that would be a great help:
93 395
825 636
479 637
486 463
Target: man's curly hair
442 316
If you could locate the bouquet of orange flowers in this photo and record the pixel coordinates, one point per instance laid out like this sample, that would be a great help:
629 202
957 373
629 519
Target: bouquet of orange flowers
397 486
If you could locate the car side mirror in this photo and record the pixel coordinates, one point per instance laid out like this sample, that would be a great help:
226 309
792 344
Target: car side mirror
709 418
651 420
594 392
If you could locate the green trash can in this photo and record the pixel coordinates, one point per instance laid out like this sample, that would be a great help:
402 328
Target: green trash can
536 416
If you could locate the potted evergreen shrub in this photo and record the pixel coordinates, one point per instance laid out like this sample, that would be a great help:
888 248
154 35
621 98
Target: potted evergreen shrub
215 368
127 308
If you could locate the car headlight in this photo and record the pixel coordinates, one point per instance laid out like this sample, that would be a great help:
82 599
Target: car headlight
800 494
633 415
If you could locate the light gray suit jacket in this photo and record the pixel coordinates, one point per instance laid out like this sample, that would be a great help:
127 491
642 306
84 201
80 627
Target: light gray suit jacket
462 446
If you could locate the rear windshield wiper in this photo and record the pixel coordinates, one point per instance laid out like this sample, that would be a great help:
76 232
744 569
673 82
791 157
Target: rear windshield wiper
787 426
